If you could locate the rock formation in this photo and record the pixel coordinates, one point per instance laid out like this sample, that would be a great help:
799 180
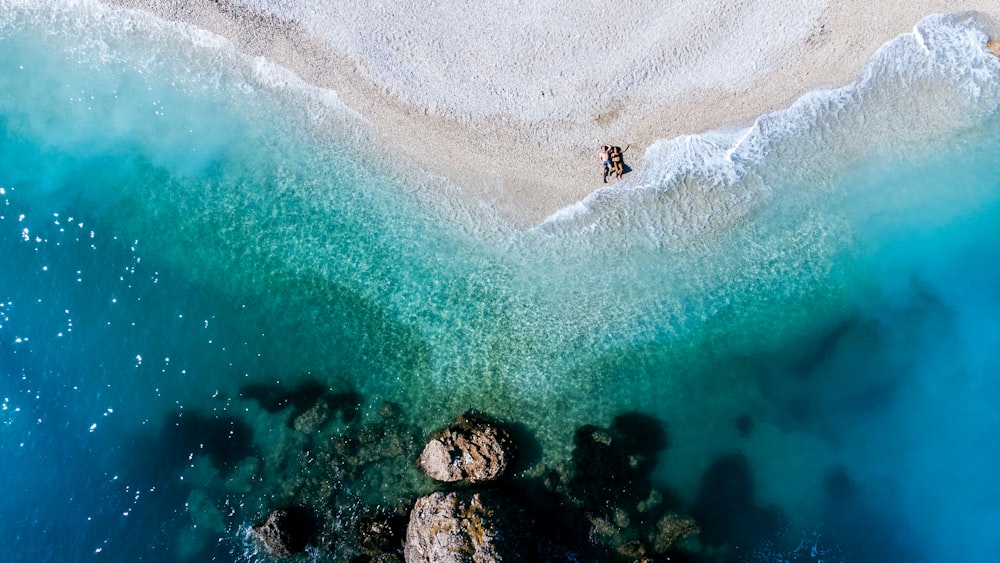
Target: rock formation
286 531
471 450
671 529
461 527
994 46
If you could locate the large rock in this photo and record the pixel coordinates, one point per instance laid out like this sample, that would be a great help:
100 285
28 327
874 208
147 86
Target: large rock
286 531
471 449
462 527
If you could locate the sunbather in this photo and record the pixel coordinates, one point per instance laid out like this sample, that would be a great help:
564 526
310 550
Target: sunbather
605 163
617 161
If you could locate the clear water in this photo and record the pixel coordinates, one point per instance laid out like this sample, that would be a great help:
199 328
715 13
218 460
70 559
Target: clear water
814 294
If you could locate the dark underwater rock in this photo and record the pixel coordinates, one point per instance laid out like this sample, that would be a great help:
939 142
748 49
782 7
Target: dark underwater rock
286 531
726 506
314 419
471 449
672 529
838 484
380 533
463 526
226 440
275 398
612 467
299 400
744 425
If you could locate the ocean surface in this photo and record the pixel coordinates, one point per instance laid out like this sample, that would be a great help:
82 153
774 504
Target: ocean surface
194 246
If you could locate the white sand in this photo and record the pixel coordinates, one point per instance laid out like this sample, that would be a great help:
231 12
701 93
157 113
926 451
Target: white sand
510 99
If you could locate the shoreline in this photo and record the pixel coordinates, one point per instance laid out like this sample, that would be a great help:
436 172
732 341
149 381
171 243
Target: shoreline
526 155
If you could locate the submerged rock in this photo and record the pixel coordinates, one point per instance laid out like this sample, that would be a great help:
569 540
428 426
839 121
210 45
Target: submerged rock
299 400
612 466
461 527
671 529
379 533
312 420
470 450
286 531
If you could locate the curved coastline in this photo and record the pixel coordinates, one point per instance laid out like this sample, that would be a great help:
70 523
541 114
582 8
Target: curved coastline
524 157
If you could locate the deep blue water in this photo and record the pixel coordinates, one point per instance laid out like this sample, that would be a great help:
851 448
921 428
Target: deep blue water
806 307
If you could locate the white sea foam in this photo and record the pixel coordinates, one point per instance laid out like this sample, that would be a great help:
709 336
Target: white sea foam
102 31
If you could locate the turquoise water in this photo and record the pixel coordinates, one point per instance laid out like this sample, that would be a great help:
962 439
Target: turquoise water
807 305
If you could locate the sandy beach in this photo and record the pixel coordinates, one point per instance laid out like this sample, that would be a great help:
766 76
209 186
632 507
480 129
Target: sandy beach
511 100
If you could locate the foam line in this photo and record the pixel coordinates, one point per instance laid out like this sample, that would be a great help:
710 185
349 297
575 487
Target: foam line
921 86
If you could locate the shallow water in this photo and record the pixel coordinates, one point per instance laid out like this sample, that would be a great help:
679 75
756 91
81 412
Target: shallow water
807 306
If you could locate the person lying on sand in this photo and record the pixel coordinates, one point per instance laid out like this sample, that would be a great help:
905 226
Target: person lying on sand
617 161
605 163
